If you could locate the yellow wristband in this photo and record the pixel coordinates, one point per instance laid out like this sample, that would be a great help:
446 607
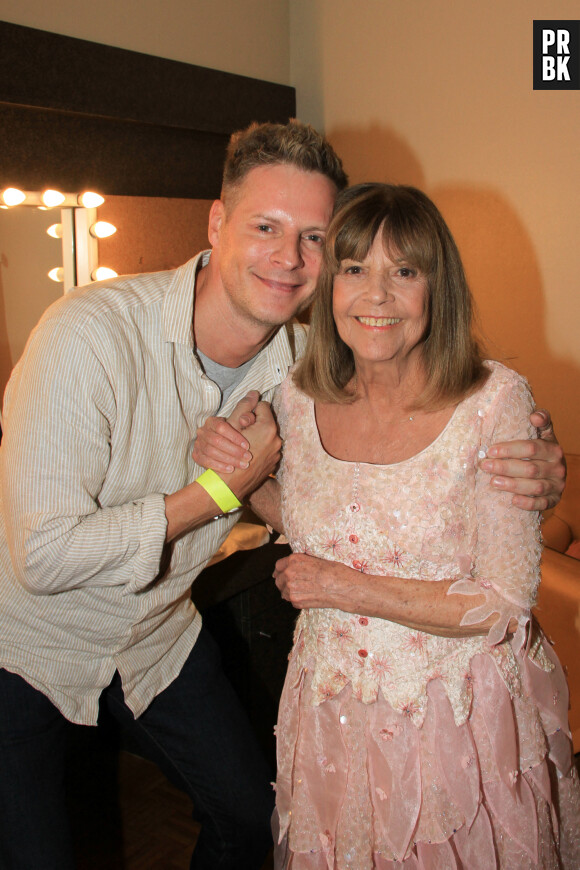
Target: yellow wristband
225 499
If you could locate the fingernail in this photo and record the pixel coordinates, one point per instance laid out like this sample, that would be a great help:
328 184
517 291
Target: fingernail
247 455
486 465
500 482
243 465
244 445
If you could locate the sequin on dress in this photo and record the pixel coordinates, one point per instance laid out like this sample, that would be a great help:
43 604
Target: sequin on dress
402 749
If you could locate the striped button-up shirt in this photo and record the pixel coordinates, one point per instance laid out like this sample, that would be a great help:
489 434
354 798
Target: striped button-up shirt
100 417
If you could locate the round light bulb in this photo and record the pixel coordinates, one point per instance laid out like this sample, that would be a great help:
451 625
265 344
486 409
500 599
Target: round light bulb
102 230
57 274
52 198
55 231
13 196
102 273
90 199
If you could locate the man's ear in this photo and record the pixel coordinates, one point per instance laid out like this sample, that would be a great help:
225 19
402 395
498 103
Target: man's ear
217 216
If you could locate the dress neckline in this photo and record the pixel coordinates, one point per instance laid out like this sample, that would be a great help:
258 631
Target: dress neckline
359 462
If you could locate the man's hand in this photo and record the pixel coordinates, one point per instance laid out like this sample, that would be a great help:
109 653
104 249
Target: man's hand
192 506
219 444
264 446
534 470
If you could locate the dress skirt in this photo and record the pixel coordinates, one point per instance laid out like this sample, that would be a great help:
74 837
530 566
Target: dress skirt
360 786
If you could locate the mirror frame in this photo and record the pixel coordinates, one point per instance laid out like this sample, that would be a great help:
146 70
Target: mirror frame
80 115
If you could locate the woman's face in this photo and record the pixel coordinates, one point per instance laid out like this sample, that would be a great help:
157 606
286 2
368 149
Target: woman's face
380 306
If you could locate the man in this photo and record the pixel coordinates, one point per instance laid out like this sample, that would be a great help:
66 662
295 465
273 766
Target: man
105 526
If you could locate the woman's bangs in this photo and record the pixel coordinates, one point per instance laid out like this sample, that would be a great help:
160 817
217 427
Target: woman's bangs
411 242
356 236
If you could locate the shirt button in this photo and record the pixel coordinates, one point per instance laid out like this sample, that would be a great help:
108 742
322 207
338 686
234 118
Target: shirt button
363 653
363 620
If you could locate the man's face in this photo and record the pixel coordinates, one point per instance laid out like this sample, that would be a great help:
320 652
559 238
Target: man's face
268 242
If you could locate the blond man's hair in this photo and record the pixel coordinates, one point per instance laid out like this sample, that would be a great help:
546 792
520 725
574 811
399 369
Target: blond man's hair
294 144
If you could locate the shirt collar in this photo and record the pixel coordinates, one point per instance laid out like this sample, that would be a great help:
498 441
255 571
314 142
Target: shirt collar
179 301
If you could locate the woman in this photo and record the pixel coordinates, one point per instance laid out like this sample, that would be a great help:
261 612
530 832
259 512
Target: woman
423 721
423 718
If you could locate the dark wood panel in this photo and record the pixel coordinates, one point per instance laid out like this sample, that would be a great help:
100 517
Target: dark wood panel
77 114
47 70
53 149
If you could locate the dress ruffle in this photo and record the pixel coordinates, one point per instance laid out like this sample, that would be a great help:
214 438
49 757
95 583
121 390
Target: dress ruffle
389 794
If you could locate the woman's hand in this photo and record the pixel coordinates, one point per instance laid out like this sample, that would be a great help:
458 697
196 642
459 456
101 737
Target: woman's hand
534 470
306 581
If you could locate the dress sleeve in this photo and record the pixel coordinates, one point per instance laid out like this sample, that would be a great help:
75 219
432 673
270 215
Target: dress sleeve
506 561
59 410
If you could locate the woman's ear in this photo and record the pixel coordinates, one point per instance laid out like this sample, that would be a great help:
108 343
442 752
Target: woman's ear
216 219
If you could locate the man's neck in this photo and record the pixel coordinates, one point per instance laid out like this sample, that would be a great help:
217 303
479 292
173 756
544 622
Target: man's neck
220 332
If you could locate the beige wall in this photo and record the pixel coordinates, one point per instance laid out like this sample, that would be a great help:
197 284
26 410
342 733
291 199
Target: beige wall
248 37
440 95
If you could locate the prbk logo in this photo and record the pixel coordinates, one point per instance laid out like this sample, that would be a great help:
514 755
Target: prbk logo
557 55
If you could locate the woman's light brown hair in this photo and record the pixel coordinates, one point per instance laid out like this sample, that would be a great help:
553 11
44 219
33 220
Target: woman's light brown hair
413 229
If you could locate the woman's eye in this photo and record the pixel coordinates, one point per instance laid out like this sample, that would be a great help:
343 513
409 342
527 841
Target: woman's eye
352 270
405 272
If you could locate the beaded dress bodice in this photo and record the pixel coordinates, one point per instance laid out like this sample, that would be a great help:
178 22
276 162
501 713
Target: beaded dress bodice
431 517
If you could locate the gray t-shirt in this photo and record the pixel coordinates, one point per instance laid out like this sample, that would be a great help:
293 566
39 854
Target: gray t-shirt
226 378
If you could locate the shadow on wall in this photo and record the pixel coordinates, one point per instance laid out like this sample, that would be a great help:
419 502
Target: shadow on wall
500 263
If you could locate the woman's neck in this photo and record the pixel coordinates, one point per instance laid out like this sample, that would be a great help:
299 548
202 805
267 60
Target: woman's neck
392 386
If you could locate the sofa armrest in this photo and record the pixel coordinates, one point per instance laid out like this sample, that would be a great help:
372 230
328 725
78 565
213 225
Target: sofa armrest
558 612
556 533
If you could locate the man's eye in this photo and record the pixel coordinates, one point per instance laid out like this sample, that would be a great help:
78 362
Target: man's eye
264 228
315 238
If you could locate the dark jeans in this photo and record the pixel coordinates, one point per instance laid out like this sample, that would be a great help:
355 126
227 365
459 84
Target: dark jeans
195 731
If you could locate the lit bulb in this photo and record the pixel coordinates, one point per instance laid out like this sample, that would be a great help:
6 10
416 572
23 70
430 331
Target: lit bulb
102 230
13 196
90 200
102 273
52 198
55 231
57 274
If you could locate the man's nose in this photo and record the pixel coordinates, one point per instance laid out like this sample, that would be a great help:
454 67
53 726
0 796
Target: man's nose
287 253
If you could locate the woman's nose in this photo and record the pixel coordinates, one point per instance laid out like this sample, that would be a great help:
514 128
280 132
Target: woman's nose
379 288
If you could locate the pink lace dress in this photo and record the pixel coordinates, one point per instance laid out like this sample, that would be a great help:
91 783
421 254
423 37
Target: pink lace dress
398 748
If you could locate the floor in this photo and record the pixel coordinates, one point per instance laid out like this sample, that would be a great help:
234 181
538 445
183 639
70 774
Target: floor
136 821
